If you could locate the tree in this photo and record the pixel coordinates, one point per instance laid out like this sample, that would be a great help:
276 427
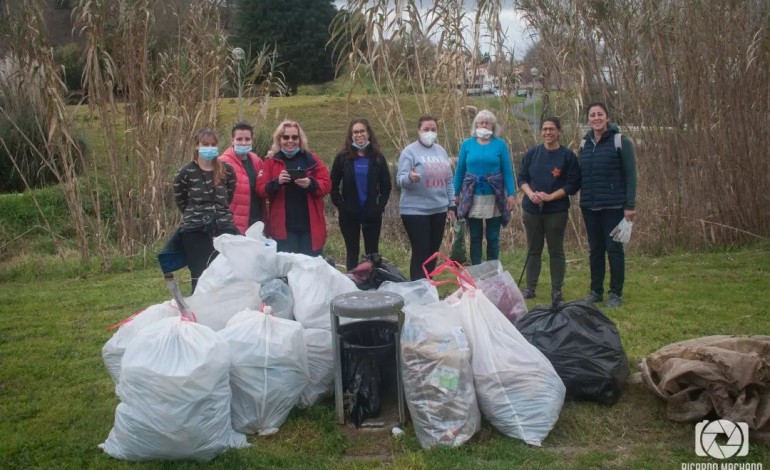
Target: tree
299 30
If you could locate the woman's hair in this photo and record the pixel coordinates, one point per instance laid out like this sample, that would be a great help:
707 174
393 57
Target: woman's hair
599 104
488 116
279 132
347 145
210 137
242 126
424 118
555 120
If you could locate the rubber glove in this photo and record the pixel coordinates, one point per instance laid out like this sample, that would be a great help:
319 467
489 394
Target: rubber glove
622 233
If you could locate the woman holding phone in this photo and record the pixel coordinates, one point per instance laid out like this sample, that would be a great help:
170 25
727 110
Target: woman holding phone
294 181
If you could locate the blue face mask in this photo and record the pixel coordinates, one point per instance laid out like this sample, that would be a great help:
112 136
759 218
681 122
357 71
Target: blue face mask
242 149
208 153
290 154
360 147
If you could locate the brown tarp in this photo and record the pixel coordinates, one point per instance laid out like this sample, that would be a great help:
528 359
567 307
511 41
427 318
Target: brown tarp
726 376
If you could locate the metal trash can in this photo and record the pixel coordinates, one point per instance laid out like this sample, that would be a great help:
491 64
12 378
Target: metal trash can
370 340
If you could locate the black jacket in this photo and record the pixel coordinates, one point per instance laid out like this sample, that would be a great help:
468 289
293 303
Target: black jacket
344 193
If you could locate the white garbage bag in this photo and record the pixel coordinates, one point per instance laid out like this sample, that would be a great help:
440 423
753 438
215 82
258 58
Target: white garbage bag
420 292
215 308
314 284
499 287
320 361
268 370
112 352
251 259
437 375
519 391
175 390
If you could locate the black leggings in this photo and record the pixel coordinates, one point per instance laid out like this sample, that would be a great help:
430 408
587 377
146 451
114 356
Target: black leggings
198 252
352 228
425 233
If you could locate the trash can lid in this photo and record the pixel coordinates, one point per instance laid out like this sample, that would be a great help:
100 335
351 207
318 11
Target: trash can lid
365 304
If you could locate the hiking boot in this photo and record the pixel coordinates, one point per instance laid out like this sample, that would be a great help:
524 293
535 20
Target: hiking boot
594 297
556 297
614 300
528 293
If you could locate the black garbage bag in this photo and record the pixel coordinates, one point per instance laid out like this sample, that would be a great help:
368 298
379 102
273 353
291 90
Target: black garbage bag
373 271
584 347
366 347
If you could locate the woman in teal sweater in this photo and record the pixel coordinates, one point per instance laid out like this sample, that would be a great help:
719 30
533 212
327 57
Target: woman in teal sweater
484 184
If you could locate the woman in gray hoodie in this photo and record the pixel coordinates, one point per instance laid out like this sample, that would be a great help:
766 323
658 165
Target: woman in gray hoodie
427 194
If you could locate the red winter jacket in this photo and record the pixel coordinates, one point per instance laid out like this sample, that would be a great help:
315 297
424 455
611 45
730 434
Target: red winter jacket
276 220
241 204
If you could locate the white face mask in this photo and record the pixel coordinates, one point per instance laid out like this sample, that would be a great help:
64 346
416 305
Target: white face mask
483 133
428 138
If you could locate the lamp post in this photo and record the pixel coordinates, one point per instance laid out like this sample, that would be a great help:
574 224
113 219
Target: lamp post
534 72
239 55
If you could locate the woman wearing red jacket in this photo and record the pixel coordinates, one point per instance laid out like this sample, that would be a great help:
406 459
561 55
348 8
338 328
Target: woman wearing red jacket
247 207
294 181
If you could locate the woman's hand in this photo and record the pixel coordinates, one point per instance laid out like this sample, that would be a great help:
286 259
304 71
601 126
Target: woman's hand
544 197
414 177
535 198
284 177
511 203
451 215
630 214
302 182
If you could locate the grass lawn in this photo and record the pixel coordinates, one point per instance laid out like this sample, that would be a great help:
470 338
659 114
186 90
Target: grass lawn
57 401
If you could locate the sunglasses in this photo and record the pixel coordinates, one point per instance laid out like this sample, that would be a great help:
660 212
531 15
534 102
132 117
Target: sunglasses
290 137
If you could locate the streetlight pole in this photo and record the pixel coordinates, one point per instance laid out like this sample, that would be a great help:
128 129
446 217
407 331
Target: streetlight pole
534 72
239 55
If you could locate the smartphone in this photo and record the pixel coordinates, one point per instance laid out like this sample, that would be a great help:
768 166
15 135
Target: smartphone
297 174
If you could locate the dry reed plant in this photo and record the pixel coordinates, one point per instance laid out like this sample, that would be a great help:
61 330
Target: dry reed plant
148 107
688 80
423 50
41 88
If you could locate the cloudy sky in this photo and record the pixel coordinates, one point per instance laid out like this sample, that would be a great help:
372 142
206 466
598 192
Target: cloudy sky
518 38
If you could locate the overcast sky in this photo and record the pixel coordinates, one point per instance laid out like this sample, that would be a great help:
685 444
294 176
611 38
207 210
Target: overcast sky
518 38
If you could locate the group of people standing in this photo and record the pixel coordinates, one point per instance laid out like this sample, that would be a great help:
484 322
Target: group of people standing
227 193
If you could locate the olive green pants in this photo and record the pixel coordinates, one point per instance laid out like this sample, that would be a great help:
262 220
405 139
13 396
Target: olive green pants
548 228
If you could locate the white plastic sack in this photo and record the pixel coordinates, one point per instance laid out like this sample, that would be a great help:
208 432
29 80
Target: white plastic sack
175 389
314 284
285 261
499 287
437 375
420 292
215 308
113 349
268 370
320 361
216 276
518 389
251 259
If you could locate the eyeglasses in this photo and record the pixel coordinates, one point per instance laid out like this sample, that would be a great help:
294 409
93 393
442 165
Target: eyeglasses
548 129
290 137
359 131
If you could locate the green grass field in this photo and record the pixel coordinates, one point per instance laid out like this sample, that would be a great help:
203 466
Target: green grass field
57 401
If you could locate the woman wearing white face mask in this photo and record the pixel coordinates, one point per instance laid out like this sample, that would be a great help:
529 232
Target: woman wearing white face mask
427 196
484 184
247 207
203 189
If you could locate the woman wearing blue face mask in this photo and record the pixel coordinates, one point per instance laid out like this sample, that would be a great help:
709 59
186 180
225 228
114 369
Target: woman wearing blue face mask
203 189
360 190
295 181
247 207
484 185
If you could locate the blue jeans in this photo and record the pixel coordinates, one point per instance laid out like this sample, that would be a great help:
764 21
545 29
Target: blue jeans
476 230
599 224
